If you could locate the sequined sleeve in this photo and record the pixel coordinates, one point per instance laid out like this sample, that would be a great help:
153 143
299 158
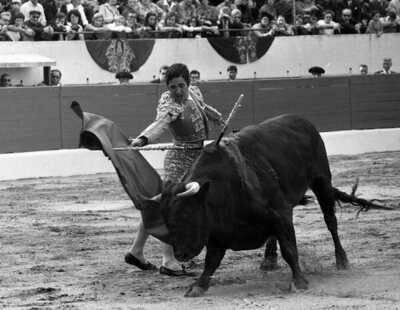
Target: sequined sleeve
167 111
211 113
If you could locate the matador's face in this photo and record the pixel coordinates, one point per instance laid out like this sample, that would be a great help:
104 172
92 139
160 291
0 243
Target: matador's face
179 89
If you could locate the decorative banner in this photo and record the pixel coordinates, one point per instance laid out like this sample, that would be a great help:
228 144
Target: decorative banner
120 55
241 50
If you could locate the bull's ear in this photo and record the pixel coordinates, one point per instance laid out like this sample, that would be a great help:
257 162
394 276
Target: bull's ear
203 191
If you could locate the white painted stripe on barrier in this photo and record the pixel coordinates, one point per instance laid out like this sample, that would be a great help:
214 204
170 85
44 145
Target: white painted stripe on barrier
81 161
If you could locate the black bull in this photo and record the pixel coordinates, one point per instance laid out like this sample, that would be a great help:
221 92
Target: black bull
237 195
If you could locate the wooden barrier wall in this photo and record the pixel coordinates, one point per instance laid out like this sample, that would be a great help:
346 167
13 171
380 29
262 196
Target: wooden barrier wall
40 118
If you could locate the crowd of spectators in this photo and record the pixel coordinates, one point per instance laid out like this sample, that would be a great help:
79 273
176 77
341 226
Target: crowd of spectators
35 20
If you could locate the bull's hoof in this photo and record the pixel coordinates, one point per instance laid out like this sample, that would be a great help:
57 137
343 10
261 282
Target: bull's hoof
342 264
195 291
298 284
269 264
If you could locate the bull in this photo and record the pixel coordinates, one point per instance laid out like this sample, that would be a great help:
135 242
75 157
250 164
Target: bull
240 195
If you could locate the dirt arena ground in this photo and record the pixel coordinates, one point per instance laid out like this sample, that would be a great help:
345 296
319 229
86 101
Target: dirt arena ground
63 241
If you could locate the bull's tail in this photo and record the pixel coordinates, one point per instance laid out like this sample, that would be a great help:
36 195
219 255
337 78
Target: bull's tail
363 204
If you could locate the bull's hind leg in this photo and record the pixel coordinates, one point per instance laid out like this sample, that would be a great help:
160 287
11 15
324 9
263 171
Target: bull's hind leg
322 188
270 261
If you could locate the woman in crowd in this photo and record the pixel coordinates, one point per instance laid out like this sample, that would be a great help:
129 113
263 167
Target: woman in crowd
170 27
59 25
76 5
110 11
210 12
146 6
375 25
96 29
150 25
327 25
265 27
281 28
75 30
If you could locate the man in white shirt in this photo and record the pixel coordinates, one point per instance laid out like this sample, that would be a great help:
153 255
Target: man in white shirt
33 5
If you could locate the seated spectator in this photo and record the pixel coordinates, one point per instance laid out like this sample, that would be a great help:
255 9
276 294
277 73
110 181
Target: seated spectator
225 7
150 25
5 18
285 9
162 74
110 11
363 69
118 27
308 7
36 31
145 7
76 5
132 22
96 30
363 25
394 6
347 24
55 79
170 27
184 11
15 7
75 30
390 22
53 8
59 25
378 5
194 76
232 72
327 26
124 77
4 6
281 28
33 5
5 80
131 6
200 28
208 28
246 9
16 30
306 24
316 71
224 22
375 25
265 27
91 7
236 23
269 8
210 12
386 65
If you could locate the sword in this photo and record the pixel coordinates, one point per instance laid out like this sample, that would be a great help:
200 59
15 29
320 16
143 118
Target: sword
231 115
156 148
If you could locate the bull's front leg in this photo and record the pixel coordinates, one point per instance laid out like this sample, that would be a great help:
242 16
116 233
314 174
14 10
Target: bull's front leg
287 242
213 259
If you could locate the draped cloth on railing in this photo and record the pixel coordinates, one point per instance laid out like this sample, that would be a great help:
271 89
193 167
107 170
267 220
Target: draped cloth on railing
120 55
241 50
139 179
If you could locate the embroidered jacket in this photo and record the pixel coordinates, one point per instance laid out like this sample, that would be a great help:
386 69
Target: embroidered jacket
188 122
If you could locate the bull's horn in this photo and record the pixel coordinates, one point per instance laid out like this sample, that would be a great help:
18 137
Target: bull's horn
191 189
156 198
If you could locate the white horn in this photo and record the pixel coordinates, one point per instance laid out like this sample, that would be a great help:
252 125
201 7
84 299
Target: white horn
156 198
191 189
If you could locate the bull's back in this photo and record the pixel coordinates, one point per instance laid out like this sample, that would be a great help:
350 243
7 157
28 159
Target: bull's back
292 147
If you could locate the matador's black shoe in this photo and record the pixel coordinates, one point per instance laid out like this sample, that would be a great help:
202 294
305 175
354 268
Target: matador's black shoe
132 260
176 273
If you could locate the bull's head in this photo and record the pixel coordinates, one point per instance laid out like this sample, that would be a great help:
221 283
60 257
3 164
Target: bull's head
184 211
